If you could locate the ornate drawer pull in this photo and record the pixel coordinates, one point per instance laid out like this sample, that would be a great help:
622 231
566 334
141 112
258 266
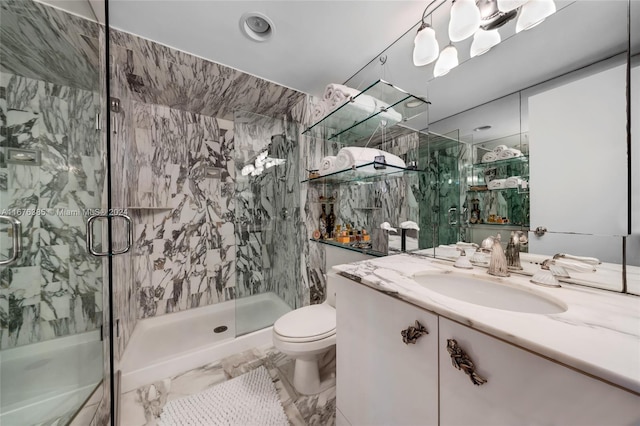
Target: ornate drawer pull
412 333
461 361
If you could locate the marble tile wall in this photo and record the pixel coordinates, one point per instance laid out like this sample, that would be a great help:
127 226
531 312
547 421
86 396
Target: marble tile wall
44 43
157 74
175 123
55 289
184 244
267 209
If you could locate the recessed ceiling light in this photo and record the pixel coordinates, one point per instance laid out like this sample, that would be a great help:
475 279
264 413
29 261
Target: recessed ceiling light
257 26
481 128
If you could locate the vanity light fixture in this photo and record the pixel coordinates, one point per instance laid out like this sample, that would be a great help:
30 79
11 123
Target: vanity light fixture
509 5
479 18
256 26
483 41
447 61
533 13
464 21
425 45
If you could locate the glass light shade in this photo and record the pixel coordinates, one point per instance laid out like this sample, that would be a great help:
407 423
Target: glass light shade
509 5
465 20
483 41
447 61
426 48
533 13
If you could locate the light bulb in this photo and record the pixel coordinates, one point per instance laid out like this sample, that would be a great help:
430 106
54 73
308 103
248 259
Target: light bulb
426 48
533 13
509 5
483 41
447 61
465 20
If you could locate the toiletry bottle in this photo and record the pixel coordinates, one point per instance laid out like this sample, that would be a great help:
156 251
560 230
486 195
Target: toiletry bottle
331 223
323 223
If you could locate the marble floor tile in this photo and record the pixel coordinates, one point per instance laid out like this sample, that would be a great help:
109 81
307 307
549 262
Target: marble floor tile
142 407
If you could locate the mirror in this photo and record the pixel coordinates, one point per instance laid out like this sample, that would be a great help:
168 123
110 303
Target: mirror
556 93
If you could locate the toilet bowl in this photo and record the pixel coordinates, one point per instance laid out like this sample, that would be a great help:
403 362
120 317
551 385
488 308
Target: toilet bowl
305 335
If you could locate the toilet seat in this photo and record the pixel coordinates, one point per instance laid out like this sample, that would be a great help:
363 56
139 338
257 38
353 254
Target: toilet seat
308 324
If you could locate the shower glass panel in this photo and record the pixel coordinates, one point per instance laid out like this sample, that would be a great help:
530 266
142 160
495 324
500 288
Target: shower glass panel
267 220
439 197
52 176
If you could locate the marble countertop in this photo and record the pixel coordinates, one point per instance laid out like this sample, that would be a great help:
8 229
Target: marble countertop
598 334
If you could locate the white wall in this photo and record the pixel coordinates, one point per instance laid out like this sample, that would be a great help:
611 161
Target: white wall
577 135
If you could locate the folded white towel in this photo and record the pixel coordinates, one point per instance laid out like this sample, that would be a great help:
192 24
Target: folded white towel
355 156
327 165
513 182
496 184
489 157
500 148
337 94
319 109
509 153
339 90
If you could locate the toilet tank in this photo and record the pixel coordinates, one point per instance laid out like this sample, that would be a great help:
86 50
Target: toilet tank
338 256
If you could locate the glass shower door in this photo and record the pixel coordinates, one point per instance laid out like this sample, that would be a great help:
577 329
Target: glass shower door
267 197
439 198
52 177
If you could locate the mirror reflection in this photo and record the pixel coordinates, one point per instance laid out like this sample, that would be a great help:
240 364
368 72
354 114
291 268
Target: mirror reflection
530 135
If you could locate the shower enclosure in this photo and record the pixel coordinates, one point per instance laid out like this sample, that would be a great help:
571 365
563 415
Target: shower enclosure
52 178
439 190
267 197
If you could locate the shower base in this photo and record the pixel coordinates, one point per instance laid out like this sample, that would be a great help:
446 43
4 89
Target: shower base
167 345
46 380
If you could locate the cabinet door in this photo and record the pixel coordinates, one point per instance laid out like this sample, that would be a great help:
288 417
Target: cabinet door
380 379
523 388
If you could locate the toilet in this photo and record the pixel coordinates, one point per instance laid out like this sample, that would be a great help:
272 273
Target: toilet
307 333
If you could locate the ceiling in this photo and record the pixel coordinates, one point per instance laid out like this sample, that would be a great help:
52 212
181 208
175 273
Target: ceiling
314 43
320 42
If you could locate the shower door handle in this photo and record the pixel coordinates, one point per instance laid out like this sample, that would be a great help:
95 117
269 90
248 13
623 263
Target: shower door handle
452 216
16 238
90 223
129 233
129 224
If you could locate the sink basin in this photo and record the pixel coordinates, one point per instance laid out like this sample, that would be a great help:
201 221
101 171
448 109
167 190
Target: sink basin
490 294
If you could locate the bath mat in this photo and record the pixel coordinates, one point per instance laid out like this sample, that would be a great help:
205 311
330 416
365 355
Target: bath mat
250 399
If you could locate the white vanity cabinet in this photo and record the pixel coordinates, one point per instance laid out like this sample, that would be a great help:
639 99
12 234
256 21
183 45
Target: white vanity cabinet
523 388
380 379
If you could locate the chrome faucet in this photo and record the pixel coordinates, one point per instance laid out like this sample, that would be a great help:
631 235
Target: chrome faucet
498 263
512 252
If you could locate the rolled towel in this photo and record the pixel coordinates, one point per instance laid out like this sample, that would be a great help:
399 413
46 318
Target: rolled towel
319 109
489 157
513 182
500 148
337 94
327 165
496 184
509 153
355 156
339 90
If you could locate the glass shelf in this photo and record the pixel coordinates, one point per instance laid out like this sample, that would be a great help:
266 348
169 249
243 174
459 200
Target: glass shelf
516 160
348 247
513 225
357 119
364 173
483 191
